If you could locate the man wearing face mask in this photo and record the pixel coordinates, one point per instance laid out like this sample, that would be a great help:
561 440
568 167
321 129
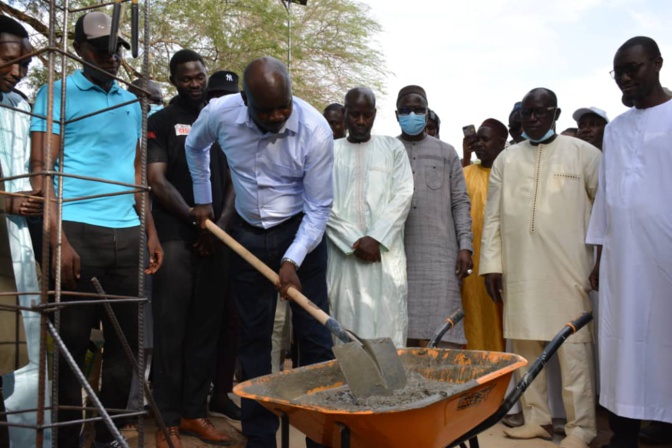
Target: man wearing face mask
535 260
438 236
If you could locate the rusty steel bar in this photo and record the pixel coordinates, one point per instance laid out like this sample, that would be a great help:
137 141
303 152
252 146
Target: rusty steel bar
58 342
44 298
140 371
129 354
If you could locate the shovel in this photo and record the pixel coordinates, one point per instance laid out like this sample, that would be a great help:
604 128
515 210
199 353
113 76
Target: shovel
370 366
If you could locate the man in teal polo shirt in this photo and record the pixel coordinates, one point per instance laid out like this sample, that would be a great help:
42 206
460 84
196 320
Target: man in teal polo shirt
101 234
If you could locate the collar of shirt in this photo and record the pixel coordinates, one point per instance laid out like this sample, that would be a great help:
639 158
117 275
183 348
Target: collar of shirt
180 102
83 83
290 127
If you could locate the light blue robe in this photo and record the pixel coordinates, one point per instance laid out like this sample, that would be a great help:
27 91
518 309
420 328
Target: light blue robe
20 387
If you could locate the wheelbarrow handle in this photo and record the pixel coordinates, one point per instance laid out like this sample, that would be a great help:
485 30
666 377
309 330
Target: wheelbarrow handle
569 329
449 323
304 302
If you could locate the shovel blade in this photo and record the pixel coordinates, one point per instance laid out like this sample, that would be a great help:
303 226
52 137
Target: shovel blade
373 368
385 355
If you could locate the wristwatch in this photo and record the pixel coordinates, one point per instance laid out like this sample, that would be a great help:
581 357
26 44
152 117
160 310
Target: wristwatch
289 260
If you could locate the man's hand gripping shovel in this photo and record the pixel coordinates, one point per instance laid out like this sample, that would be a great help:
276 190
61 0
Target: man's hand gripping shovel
370 366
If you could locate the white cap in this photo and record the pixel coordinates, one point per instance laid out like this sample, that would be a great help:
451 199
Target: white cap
589 110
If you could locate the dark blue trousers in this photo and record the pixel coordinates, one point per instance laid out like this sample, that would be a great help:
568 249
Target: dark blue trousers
256 297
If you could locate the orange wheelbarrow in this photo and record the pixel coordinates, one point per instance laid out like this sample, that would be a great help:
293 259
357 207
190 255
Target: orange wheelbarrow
477 380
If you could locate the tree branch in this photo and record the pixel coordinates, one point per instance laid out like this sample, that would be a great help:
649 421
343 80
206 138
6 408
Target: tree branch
23 17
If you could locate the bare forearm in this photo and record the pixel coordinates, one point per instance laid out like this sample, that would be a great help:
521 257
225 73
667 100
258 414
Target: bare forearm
172 200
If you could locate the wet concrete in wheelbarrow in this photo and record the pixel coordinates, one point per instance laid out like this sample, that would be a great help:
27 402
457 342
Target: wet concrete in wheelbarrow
434 375
418 392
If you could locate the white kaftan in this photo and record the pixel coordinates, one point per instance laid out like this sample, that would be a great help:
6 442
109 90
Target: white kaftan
536 218
373 187
632 219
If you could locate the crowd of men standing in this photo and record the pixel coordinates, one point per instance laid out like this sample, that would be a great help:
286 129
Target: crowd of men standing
389 234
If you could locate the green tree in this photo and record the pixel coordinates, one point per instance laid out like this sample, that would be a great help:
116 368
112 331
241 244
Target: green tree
333 46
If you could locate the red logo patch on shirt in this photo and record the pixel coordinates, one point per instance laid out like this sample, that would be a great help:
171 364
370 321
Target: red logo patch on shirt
151 134
182 129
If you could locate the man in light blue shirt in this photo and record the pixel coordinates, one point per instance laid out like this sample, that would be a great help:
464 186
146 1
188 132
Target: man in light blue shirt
280 152
100 226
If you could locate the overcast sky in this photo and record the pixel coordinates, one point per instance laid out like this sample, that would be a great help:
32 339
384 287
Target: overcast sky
476 58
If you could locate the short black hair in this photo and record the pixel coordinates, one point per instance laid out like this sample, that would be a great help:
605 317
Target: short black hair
360 91
333 106
11 26
183 56
549 92
650 46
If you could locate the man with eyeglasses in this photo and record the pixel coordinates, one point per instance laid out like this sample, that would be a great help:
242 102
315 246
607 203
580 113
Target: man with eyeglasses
438 234
534 260
634 227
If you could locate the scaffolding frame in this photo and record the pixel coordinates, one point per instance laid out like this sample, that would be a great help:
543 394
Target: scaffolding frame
51 301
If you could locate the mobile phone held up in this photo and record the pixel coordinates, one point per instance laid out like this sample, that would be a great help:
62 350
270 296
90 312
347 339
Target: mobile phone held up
469 130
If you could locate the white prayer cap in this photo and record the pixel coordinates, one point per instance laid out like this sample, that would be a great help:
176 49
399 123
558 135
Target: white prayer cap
589 110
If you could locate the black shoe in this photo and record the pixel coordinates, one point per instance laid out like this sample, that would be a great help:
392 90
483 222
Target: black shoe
657 433
229 410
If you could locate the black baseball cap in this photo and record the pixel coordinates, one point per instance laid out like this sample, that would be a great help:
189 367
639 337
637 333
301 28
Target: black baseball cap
223 81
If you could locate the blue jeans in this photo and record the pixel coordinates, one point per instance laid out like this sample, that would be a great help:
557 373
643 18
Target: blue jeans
256 297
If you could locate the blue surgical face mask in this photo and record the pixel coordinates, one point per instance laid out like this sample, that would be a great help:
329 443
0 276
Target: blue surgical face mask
154 108
413 124
545 137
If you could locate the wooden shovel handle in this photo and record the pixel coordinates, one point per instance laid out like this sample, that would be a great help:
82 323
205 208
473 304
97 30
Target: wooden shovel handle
301 300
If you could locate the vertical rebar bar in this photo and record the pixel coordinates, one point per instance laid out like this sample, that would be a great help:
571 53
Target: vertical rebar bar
46 191
58 253
143 235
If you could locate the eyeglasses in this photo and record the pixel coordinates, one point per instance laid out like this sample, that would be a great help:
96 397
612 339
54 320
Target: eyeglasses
539 112
415 110
628 69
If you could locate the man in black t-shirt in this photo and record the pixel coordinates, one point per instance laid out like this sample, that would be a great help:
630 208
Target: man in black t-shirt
189 290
